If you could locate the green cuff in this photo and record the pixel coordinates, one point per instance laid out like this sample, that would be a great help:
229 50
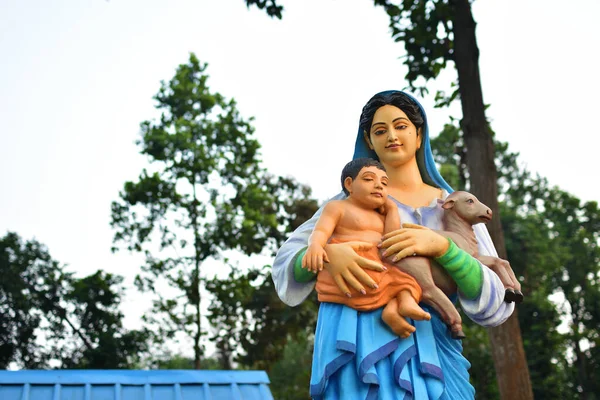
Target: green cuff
302 275
464 269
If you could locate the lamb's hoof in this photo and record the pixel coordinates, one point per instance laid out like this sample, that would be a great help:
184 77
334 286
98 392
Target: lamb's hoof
510 295
518 297
458 334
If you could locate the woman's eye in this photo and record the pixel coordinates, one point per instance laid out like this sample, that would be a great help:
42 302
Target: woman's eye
400 127
379 132
384 183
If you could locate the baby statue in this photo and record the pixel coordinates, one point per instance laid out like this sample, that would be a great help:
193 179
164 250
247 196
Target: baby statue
364 216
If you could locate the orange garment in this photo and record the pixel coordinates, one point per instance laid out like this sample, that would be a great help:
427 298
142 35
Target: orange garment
391 283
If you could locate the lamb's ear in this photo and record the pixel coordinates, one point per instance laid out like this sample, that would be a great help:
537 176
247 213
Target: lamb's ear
448 204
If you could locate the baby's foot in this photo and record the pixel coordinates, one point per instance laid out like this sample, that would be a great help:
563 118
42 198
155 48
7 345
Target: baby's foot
408 307
395 321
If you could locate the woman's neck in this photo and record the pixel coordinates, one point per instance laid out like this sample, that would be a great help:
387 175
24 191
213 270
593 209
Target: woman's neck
407 186
405 177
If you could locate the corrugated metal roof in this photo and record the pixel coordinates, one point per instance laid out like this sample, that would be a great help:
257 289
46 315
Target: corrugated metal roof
133 385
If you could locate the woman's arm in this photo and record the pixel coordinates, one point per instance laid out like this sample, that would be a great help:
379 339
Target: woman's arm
489 308
289 290
483 302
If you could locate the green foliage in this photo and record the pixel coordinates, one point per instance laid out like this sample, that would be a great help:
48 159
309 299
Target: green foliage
270 6
251 323
477 349
256 330
290 376
552 244
450 153
46 314
425 28
32 283
95 302
178 361
206 193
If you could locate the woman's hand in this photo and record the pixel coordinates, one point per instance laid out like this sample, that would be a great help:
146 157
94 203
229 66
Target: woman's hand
413 240
346 267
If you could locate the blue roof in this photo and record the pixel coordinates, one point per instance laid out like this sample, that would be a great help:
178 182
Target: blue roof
133 385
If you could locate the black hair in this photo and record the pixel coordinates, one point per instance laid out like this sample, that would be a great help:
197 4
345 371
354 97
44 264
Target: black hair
398 99
352 169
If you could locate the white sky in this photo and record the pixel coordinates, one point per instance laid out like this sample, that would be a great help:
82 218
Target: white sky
77 77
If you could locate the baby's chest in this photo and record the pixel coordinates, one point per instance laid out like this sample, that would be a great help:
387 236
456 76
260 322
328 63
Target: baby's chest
364 221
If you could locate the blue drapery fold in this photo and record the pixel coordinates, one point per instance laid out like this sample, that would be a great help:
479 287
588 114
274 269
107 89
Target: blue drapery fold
356 356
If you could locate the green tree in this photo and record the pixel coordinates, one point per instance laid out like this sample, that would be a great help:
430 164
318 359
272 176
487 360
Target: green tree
94 301
575 230
32 284
252 324
47 314
437 34
290 375
552 243
205 193
178 361
270 6
257 331
245 302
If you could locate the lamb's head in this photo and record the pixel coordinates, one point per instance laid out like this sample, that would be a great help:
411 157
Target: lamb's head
468 207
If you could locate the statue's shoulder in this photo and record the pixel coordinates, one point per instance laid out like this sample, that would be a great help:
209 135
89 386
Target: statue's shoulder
435 194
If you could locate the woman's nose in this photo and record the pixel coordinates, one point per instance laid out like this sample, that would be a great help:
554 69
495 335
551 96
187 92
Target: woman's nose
392 136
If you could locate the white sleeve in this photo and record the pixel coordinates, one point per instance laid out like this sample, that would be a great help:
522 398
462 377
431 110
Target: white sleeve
291 292
489 308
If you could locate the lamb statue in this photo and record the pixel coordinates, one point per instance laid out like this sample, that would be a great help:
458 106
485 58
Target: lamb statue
462 210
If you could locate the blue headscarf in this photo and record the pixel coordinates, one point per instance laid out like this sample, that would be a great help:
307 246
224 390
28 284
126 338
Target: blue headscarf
427 167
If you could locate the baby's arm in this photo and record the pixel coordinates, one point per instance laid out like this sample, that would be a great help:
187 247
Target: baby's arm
392 217
315 254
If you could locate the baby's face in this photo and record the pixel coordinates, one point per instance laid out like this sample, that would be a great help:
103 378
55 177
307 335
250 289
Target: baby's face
370 187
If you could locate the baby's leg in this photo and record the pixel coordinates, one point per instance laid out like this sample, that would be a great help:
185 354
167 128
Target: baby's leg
395 321
398 309
408 307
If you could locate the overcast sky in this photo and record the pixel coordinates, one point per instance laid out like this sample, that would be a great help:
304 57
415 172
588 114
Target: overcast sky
77 77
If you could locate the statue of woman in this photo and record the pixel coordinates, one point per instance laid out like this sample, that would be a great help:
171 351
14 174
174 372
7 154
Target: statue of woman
356 354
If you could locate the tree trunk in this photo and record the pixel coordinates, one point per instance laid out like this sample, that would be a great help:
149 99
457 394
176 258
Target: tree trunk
581 371
580 359
507 345
196 281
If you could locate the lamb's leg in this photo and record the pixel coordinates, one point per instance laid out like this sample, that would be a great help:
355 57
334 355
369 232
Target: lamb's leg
434 297
502 268
420 269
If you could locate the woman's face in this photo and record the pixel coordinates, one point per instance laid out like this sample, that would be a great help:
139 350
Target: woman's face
393 136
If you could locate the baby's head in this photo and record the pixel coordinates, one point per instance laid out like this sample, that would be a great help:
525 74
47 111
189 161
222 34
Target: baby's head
366 178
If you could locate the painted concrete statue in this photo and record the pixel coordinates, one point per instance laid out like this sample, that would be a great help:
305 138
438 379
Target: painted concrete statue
357 355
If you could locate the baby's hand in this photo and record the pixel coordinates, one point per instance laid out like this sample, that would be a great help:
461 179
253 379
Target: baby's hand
389 205
313 258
